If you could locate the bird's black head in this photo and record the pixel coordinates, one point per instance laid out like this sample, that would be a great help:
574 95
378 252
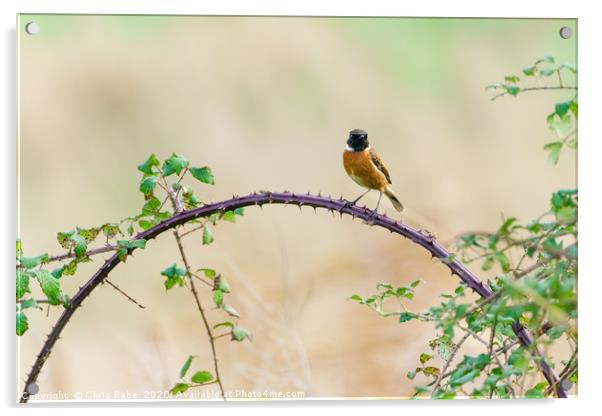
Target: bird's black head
358 140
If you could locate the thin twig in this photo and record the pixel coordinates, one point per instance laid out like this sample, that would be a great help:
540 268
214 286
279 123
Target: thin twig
564 87
177 205
131 299
88 253
492 353
448 362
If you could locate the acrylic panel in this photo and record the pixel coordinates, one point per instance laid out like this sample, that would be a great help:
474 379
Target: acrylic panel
188 224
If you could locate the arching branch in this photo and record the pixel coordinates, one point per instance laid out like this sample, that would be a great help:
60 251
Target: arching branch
422 238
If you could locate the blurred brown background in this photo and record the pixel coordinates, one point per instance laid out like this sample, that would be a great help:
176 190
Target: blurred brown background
267 103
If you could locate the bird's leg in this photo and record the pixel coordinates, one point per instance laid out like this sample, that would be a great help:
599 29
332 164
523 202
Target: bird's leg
349 203
370 219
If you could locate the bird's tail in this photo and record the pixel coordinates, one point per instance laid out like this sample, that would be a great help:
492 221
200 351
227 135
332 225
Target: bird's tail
396 203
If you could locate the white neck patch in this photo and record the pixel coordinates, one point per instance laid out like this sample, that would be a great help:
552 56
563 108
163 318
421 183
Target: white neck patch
349 149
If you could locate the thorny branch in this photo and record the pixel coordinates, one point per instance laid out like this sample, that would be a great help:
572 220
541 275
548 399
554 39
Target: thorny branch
341 206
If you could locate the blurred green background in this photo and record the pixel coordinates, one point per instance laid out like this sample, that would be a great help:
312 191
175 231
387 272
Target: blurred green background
267 103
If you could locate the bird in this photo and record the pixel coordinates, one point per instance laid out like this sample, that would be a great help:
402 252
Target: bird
367 169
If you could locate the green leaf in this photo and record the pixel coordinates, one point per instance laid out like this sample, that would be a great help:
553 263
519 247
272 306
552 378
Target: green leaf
563 108
547 72
226 324
22 323
461 310
566 215
70 268
191 201
445 347
31 262
147 185
431 371
506 227
230 310
122 253
179 388
22 283
29 303
240 334
201 377
170 282
469 369
555 332
549 59
174 271
79 245
89 234
218 297
175 164
513 90
534 393
50 286
147 166
459 378
209 273
139 243
554 149
145 224
186 366
513 79
151 206
221 284
356 297
502 260
574 107
63 239
519 359
207 235
19 248
530 71
488 263
110 230
203 174
406 316
229 216
239 211
174 276
425 357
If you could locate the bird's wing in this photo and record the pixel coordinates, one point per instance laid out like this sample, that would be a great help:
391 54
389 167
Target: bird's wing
379 164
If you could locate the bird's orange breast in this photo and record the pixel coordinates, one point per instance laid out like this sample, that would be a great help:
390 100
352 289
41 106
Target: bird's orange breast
360 168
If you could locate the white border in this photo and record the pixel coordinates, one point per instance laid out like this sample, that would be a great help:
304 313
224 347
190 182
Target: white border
589 155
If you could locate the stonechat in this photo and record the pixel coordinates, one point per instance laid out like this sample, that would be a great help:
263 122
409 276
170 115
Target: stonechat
366 168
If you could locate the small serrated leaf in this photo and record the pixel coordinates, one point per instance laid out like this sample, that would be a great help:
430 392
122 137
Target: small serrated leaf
22 323
186 366
230 310
50 287
207 235
240 334
201 377
229 216
175 164
147 166
31 262
22 284
218 297
203 174
179 388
